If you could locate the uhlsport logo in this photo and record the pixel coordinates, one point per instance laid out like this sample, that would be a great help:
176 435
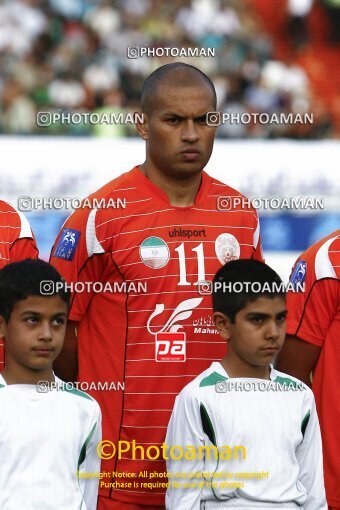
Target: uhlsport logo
154 252
170 343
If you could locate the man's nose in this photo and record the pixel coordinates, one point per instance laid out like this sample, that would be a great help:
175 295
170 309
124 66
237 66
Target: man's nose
190 131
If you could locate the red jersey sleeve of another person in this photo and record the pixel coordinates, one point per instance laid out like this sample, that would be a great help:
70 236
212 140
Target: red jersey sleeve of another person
314 316
16 243
71 252
152 331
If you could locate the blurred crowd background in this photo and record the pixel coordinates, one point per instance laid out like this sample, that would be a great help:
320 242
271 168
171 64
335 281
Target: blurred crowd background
71 56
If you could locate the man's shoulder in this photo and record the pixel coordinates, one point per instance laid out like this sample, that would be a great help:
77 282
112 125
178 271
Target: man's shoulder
326 256
113 186
229 199
14 219
321 261
223 188
5 207
105 197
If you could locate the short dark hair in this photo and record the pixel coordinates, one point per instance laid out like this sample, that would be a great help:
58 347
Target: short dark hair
20 280
153 81
263 282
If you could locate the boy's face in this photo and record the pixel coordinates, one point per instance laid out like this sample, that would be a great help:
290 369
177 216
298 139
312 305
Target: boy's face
258 333
34 334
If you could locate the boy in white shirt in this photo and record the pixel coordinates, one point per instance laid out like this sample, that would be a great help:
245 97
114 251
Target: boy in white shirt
245 436
48 431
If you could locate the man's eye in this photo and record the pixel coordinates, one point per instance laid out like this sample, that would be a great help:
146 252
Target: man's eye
173 120
281 319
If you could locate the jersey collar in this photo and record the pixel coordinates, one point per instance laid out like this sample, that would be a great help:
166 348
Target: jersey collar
217 367
137 177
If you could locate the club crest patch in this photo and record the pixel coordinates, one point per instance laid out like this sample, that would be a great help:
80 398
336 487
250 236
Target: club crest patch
227 248
67 244
299 273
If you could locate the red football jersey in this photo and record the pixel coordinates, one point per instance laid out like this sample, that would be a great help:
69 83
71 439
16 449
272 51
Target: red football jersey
314 316
154 332
16 243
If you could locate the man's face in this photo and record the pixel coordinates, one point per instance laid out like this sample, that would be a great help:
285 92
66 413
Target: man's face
179 141
259 331
34 334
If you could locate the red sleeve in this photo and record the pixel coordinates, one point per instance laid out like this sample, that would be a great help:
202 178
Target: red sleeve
310 313
22 249
258 253
69 256
95 269
74 256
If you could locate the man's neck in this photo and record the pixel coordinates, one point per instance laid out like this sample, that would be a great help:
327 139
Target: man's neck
181 192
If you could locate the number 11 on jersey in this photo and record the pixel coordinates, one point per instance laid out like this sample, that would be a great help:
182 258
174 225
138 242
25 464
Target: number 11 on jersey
182 264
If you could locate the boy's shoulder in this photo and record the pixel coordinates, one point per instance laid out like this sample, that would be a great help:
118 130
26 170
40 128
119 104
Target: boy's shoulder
205 380
70 390
214 377
66 389
2 382
290 381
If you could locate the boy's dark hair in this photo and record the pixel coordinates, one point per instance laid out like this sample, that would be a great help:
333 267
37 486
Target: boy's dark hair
256 280
20 280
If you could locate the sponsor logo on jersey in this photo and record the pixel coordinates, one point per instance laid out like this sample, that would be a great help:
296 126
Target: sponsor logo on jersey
205 326
170 346
182 312
183 232
170 342
227 248
67 244
154 252
298 275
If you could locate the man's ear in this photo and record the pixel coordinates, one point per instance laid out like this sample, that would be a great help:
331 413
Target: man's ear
143 127
3 327
222 324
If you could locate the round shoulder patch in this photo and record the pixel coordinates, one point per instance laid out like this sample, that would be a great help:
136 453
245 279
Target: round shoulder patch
227 248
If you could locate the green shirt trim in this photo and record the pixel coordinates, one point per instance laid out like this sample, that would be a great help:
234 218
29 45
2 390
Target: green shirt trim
305 423
76 392
207 425
287 381
212 379
82 454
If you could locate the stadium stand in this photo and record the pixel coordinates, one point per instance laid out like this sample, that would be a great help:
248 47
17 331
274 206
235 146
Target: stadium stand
71 55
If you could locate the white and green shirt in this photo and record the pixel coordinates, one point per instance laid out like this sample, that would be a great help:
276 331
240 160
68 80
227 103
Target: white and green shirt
45 439
244 444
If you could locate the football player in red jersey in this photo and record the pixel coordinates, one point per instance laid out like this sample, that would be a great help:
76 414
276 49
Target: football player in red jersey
153 330
16 243
312 345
